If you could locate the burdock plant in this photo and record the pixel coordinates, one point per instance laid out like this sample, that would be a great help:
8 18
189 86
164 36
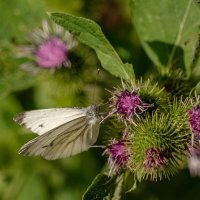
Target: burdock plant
159 142
160 117
48 47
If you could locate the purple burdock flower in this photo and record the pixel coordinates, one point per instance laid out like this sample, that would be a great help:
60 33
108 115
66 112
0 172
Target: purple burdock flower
194 119
51 53
128 104
155 158
48 48
194 160
118 154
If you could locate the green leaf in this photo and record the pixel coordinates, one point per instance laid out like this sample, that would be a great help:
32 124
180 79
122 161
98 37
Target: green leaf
197 88
168 31
116 194
89 33
195 76
101 188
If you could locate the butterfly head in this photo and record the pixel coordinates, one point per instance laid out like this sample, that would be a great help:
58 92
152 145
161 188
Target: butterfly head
92 111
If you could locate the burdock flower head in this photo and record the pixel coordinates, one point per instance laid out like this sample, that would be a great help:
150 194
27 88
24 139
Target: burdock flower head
194 119
155 158
118 154
127 103
194 160
49 47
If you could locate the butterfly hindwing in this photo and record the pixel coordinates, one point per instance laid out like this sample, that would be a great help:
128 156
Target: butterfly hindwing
68 139
68 146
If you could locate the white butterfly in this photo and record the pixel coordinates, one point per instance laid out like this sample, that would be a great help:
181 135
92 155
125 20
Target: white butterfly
63 132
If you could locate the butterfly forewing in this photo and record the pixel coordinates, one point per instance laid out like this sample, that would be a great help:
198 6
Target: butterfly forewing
65 139
44 120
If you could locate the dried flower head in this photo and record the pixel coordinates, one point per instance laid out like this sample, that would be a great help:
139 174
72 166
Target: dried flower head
49 47
194 120
118 154
194 160
155 158
127 103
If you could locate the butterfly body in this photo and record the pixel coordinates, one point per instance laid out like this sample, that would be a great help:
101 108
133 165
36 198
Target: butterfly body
62 132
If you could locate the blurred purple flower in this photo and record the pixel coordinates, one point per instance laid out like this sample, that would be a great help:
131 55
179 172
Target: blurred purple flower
194 119
118 154
48 48
51 53
155 158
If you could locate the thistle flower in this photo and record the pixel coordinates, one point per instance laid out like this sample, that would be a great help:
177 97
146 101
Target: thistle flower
118 154
49 47
51 53
194 160
151 93
159 142
127 103
194 120
155 158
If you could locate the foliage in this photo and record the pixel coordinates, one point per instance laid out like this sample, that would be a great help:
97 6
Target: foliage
168 39
90 34
116 43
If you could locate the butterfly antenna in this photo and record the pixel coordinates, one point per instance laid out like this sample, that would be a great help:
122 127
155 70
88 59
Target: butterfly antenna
107 116
94 93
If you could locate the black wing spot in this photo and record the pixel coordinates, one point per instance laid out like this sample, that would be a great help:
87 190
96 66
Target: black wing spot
48 145
51 144
41 125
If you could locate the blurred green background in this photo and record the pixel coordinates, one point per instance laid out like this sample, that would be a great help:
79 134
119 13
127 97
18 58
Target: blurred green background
30 178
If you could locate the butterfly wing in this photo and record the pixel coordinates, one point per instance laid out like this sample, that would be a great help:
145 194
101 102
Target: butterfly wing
63 132
44 120
64 141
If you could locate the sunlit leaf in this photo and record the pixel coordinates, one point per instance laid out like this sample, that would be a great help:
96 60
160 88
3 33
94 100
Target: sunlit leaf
168 31
89 33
